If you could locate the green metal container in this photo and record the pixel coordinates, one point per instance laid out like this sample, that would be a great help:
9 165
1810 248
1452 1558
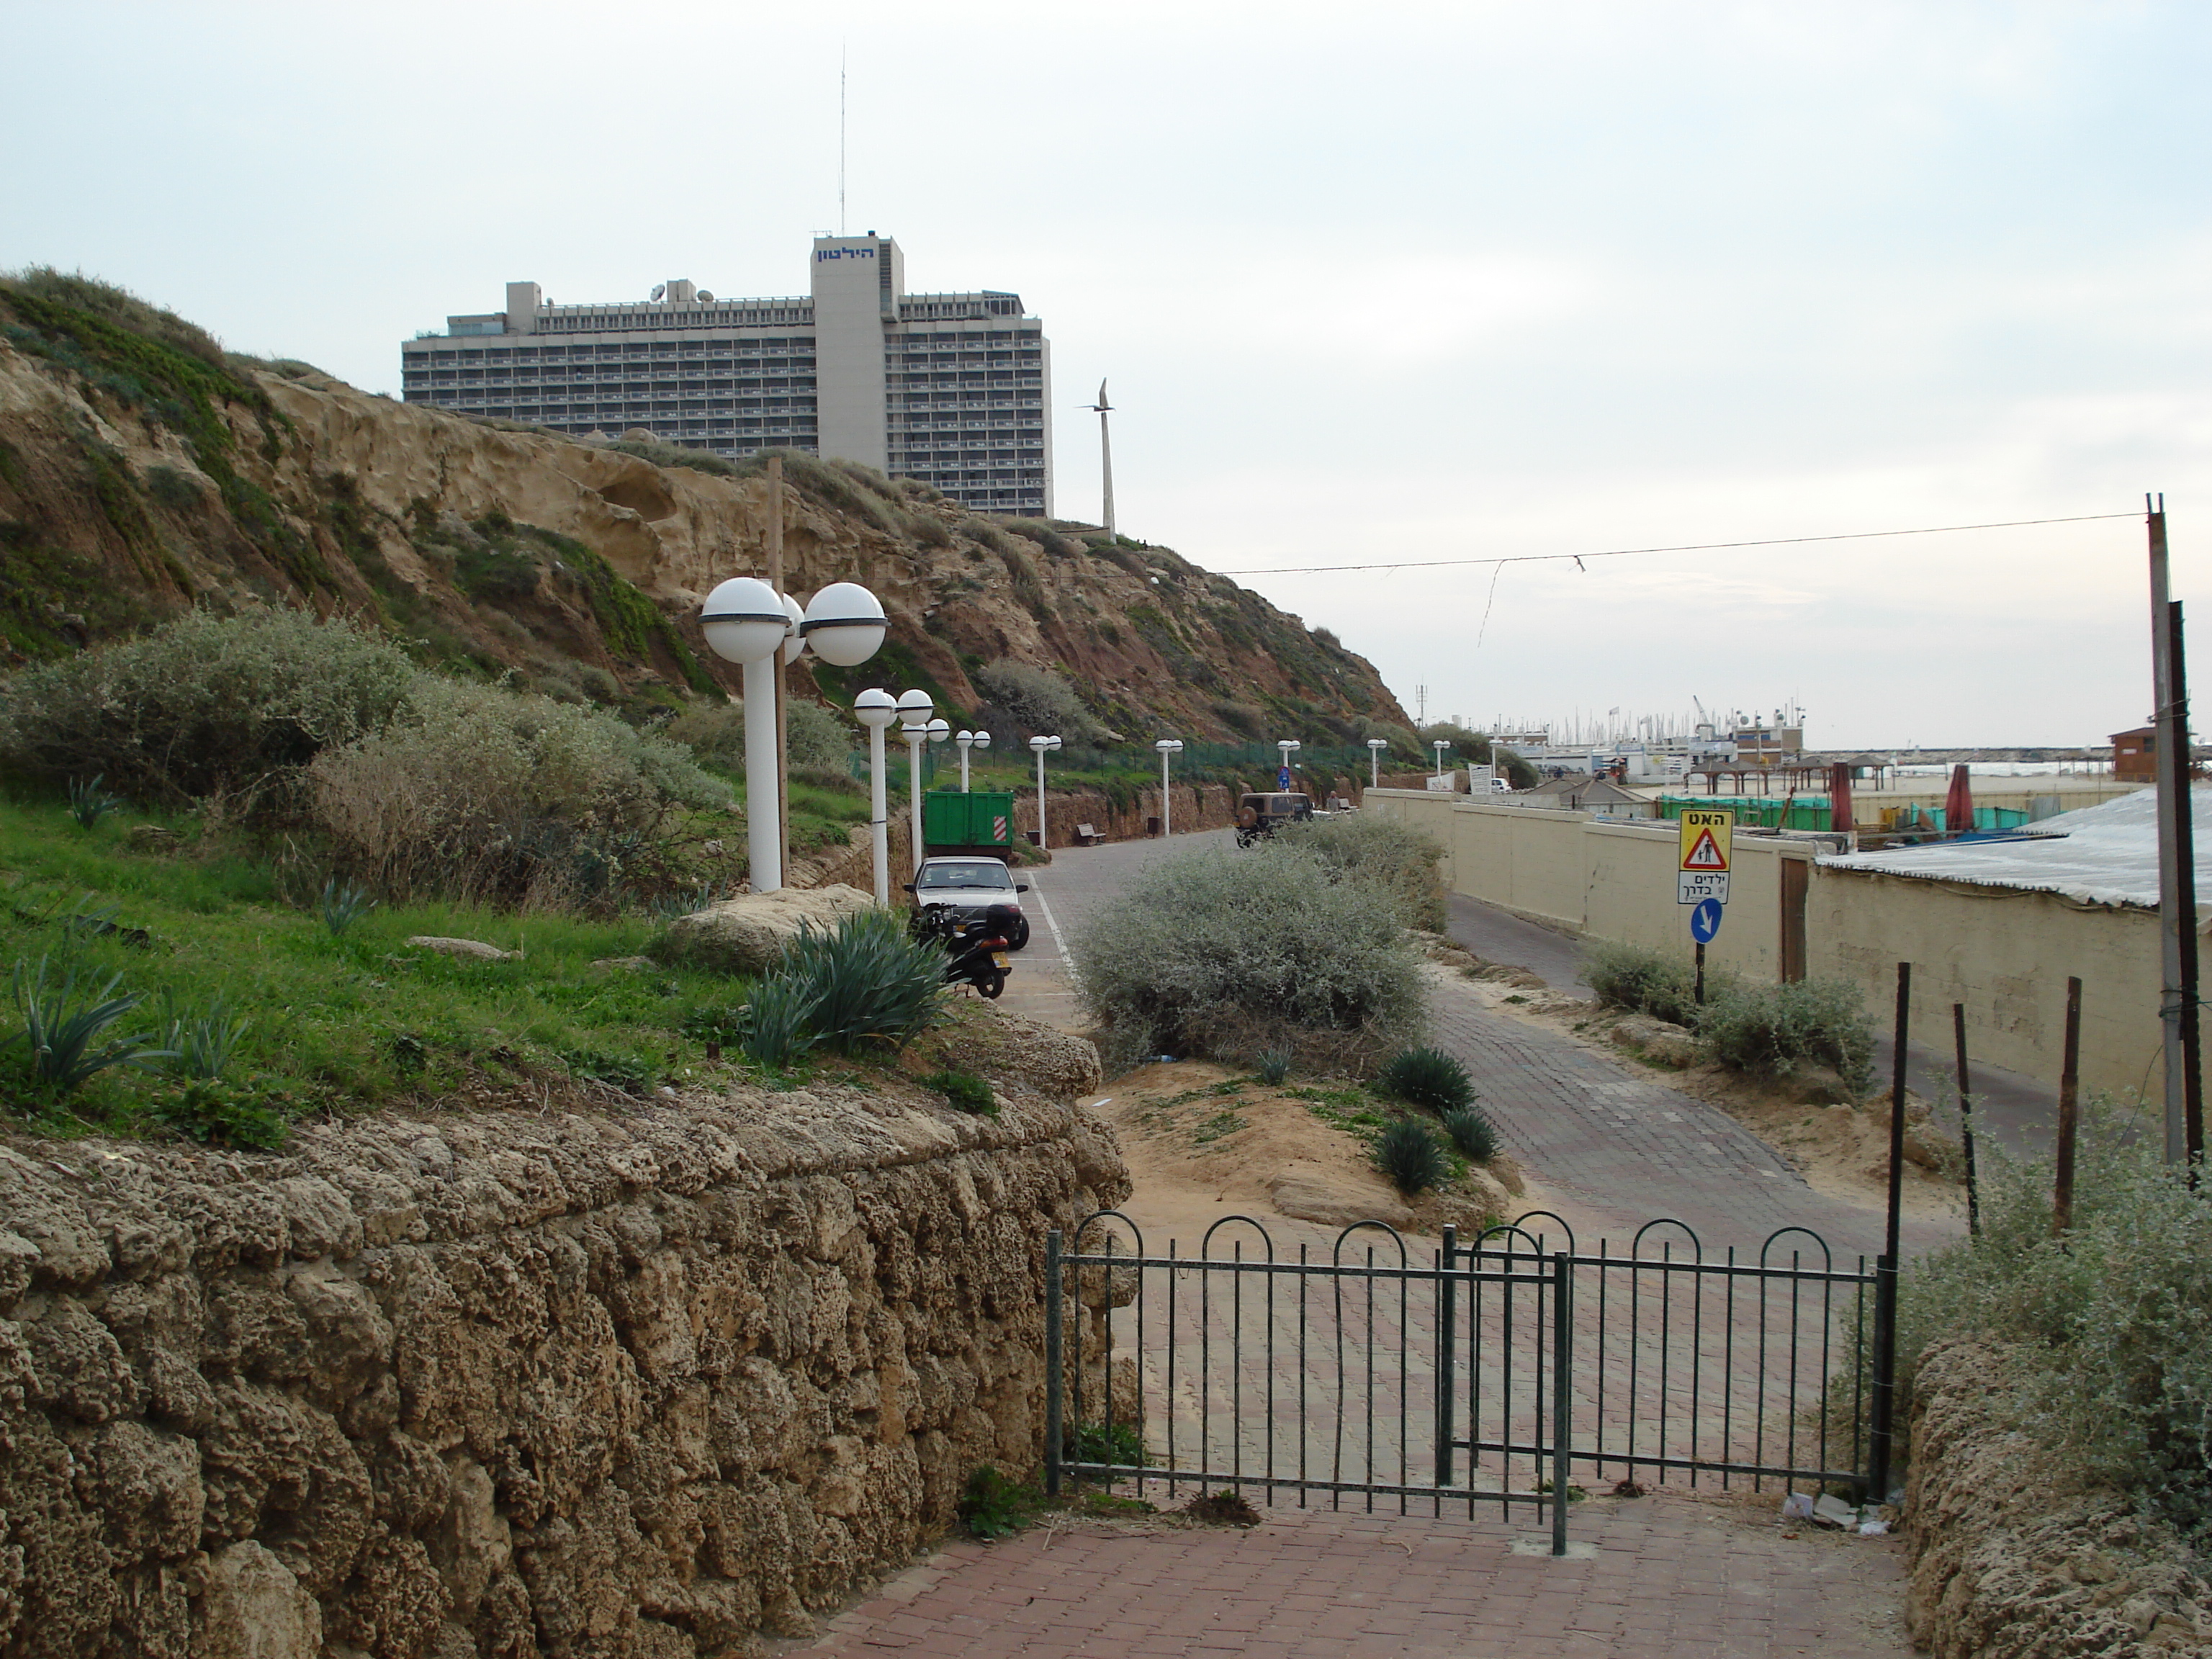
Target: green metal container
981 822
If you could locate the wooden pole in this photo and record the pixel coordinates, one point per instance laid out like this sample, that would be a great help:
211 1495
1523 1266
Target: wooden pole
2184 893
782 721
2172 764
2069 1080
1966 1119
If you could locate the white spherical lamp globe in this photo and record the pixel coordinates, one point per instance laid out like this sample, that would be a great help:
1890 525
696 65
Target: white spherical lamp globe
915 707
982 739
875 706
743 620
795 641
844 625
939 731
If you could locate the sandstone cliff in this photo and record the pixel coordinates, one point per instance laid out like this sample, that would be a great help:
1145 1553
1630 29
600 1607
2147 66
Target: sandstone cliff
499 1384
142 470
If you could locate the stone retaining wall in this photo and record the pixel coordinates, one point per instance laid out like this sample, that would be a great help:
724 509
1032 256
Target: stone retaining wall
2009 1561
503 1384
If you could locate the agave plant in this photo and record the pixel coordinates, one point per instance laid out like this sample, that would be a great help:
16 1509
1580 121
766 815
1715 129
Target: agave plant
1274 1066
774 1027
871 983
203 1043
1407 1154
1428 1077
1472 1132
89 803
63 1026
342 906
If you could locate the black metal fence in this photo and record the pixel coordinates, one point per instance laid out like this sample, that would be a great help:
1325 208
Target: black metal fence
1489 1373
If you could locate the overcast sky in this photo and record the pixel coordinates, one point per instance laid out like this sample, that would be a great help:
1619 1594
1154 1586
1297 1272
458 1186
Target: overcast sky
1384 281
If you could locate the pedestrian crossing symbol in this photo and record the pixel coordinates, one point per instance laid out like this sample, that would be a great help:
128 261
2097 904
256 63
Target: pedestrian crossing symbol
1705 855
1707 832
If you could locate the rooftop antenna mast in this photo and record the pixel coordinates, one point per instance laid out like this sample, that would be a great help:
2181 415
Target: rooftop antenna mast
1105 455
841 138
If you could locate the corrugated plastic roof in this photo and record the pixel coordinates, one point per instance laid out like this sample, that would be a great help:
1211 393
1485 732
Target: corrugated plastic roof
2102 855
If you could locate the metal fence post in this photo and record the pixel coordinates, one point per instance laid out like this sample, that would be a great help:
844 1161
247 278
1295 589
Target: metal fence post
1885 1377
1447 1311
1052 1362
1562 1342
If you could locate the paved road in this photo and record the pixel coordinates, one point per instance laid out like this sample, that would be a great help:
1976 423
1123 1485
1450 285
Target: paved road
2019 1110
1632 1149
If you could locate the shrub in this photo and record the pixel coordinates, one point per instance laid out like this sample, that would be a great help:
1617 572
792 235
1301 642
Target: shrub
1407 1154
1403 864
342 904
205 706
1040 700
715 733
89 803
1427 1077
1780 1027
1274 1066
1228 954
216 1114
480 790
871 983
964 1089
2109 1330
1472 1132
1642 980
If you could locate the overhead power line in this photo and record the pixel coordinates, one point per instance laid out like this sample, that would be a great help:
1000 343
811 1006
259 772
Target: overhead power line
1686 547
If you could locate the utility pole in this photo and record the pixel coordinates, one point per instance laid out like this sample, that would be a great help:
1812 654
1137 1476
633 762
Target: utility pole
2169 751
1101 408
2185 867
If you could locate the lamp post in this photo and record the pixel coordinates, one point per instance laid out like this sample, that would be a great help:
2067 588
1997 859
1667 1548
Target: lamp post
1167 746
914 709
744 622
939 731
964 739
843 624
1040 747
1286 747
1375 748
1440 745
875 709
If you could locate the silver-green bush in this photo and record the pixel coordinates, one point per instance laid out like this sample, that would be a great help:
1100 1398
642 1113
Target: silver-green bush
1394 859
715 733
1782 1029
2109 1328
479 790
1230 954
1039 700
1641 979
205 706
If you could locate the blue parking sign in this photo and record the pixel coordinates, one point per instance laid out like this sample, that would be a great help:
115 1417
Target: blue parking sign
1282 777
1706 920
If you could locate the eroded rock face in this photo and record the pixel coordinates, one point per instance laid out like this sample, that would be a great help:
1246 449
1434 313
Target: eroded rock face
504 1385
2007 1560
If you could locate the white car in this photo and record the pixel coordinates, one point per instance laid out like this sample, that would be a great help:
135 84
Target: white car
969 886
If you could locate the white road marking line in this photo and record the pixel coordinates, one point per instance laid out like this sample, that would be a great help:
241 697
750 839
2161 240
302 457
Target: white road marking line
1058 941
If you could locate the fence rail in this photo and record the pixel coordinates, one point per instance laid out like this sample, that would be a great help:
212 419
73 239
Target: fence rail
1490 1373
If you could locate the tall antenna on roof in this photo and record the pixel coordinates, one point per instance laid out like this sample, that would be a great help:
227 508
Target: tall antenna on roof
841 138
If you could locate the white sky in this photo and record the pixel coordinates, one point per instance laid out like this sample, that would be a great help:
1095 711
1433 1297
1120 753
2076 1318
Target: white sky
1373 282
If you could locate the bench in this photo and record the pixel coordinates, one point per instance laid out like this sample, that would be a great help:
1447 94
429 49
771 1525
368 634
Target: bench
1087 835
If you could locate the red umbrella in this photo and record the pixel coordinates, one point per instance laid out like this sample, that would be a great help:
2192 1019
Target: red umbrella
1959 805
1839 796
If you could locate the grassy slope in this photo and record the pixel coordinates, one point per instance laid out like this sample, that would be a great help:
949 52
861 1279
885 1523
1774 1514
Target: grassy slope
338 1021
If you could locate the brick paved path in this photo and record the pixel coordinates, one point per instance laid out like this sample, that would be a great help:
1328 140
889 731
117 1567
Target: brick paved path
1662 1578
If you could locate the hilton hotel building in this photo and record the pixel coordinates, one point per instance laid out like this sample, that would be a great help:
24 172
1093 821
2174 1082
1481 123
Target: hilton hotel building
953 388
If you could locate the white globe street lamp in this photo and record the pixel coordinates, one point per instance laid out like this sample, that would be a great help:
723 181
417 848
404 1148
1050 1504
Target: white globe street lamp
1041 747
1167 746
964 739
1287 747
914 709
1375 748
745 622
1440 745
875 709
844 625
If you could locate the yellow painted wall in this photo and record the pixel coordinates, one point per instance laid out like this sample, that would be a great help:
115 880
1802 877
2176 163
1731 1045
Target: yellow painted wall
2005 954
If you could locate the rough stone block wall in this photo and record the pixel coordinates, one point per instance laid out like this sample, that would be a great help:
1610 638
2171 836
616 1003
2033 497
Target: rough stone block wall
504 1385
2011 1560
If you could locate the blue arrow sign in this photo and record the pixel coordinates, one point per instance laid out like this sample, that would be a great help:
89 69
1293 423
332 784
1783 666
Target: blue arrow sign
1706 920
1282 777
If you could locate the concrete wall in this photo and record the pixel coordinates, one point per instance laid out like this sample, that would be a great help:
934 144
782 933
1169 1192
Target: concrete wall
1612 881
2005 954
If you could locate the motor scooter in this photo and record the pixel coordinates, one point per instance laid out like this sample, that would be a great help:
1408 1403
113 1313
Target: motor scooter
975 949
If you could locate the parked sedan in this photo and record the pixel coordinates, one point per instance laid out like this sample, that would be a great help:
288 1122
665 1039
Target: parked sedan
967 887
